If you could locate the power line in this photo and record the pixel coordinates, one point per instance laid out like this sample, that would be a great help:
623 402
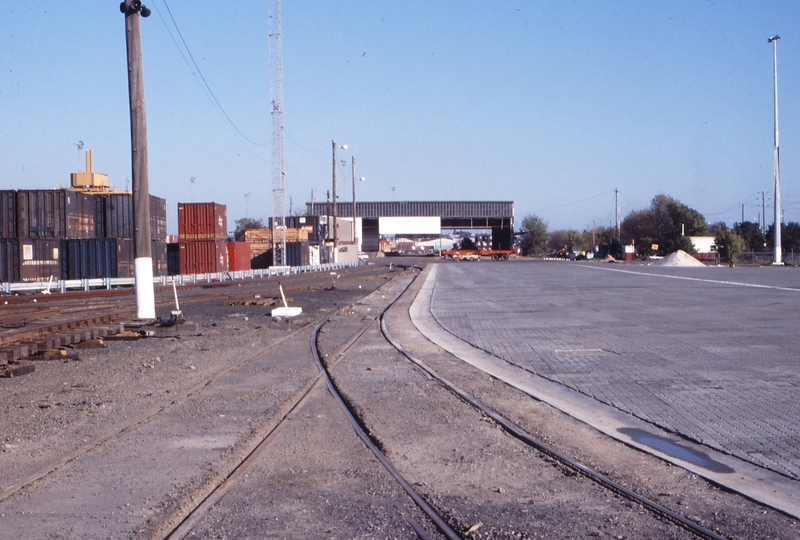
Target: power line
202 80
574 202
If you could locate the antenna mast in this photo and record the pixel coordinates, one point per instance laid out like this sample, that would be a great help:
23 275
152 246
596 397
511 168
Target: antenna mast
276 99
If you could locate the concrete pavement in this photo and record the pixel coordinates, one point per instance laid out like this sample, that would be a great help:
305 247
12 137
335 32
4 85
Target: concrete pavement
710 354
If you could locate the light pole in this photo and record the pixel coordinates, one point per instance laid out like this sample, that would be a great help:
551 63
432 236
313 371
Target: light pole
246 198
335 231
777 156
355 214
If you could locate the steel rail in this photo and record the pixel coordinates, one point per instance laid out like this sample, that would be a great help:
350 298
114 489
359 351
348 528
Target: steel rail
141 419
193 517
360 430
525 437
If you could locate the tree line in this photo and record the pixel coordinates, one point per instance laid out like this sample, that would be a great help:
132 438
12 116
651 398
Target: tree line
659 229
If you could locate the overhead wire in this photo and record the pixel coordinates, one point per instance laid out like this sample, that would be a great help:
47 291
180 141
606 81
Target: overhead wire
573 202
201 80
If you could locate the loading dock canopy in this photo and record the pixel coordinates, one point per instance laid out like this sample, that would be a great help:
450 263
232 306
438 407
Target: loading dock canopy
453 214
409 225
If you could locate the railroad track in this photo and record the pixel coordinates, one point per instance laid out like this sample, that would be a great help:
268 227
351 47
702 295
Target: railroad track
33 324
438 517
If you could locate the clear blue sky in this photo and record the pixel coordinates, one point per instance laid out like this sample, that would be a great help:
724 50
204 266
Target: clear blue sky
550 104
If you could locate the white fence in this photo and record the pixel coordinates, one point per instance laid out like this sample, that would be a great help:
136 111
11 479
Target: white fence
65 285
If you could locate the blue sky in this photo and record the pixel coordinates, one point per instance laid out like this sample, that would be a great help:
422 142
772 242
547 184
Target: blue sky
550 104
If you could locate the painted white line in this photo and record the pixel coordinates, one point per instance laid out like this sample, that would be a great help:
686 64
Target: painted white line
720 282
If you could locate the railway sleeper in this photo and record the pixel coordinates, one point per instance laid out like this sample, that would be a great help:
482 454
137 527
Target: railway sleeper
16 370
17 351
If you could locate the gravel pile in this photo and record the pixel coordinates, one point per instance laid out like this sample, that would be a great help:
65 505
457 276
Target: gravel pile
679 258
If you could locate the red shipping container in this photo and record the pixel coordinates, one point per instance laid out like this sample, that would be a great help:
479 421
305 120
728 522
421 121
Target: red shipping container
238 256
203 257
202 222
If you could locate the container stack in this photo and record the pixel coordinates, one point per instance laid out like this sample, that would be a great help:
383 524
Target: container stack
202 238
297 246
118 223
72 234
260 241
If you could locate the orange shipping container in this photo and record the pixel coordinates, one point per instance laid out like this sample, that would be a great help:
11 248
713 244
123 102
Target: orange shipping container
238 256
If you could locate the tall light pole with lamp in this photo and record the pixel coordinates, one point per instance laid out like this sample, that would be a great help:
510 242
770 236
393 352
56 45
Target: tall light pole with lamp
335 213
776 156
355 213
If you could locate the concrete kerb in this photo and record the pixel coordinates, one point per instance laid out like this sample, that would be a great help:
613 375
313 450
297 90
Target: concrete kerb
754 482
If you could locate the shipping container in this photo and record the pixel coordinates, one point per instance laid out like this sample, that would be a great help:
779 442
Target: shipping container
8 213
39 260
296 254
99 217
89 259
203 257
9 260
173 259
370 237
309 224
158 218
125 266
55 214
202 222
158 251
238 256
118 215
125 258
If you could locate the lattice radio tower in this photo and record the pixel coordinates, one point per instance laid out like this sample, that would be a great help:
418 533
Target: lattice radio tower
276 99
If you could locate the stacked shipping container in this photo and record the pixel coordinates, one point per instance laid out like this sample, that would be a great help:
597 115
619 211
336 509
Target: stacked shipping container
202 239
69 234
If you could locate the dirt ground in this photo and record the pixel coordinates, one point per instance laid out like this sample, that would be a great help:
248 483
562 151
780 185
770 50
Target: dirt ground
126 441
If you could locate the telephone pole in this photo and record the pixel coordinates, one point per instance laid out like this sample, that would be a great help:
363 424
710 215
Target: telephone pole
143 262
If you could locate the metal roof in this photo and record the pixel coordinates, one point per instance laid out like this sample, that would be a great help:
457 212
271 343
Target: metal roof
443 209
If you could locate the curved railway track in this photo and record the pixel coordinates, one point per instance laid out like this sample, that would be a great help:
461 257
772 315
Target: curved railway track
437 517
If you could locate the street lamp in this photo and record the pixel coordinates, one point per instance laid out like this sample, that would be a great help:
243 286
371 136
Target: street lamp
777 155
246 198
355 213
335 232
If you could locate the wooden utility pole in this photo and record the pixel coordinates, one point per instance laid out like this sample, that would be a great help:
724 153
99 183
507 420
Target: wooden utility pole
143 263
353 164
335 228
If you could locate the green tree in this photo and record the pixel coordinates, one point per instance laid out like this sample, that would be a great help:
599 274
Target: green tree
534 235
729 245
566 238
666 223
752 235
605 235
790 237
245 224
